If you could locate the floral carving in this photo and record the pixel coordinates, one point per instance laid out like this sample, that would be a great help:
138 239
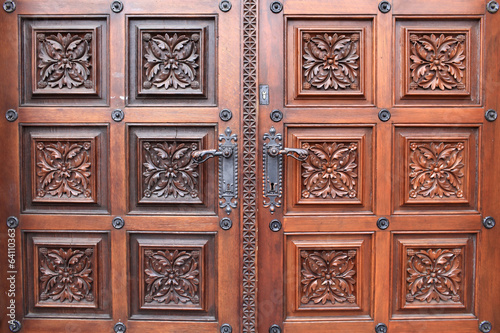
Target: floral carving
64 60
434 275
169 169
172 276
66 274
436 169
64 169
171 62
331 61
437 61
328 276
331 170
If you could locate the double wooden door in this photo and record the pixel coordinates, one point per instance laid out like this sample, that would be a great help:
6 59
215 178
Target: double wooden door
250 166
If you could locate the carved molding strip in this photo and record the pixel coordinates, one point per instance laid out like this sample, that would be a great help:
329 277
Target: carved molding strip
249 164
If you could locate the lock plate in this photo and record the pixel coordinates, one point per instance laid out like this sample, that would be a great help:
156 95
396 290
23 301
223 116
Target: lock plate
263 94
273 167
228 171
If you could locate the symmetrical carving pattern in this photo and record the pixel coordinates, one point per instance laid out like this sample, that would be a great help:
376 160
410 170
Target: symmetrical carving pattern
64 60
172 276
437 61
436 169
249 322
434 274
169 169
331 61
171 60
327 276
66 274
64 169
331 170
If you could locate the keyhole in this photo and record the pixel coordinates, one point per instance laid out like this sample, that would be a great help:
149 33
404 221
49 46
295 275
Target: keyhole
264 95
272 187
228 187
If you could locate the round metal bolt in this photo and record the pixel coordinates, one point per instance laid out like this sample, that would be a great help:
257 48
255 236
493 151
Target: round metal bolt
225 115
492 7
118 222
120 328
117 115
276 115
276 7
384 115
11 115
275 225
9 6
226 223
489 222
384 6
491 115
117 6
485 326
225 6
15 326
12 222
275 329
226 328
383 223
381 328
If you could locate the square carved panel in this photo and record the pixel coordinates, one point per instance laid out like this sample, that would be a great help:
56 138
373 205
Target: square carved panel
163 175
328 62
436 169
439 60
172 276
64 168
64 61
67 274
434 274
172 61
328 273
336 176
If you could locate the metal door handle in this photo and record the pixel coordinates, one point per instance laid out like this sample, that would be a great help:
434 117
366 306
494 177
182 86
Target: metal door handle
273 167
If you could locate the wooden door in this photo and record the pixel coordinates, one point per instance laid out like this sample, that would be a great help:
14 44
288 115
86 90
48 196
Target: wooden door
118 223
382 223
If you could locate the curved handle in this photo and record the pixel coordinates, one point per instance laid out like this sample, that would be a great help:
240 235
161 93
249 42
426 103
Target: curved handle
200 156
297 153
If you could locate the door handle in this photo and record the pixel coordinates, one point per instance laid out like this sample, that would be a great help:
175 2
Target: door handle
273 167
228 168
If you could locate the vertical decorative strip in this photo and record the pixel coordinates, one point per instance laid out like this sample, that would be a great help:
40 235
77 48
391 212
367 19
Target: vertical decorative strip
249 165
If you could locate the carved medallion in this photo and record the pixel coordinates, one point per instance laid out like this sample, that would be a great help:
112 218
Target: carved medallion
327 276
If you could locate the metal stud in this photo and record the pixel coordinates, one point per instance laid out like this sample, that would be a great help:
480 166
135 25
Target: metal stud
383 223
384 115
489 222
120 327
225 6
275 329
226 223
276 7
118 222
485 326
12 222
381 328
226 328
384 6
9 6
491 115
117 6
117 115
15 326
225 115
275 225
11 115
276 115
492 7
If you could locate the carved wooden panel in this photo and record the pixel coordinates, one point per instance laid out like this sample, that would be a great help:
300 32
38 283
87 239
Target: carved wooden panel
65 61
164 177
64 168
434 273
436 166
329 62
439 60
172 61
336 176
328 273
68 274
170 276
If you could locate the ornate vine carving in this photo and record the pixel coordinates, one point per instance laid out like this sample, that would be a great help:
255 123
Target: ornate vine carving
169 169
327 276
434 275
171 62
331 61
64 169
437 62
436 169
331 170
172 276
66 274
64 61
249 206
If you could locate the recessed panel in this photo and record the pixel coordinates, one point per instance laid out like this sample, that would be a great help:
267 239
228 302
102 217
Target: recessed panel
337 174
172 276
67 274
329 62
172 61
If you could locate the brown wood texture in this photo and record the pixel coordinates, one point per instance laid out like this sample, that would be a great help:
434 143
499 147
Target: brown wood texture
428 170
